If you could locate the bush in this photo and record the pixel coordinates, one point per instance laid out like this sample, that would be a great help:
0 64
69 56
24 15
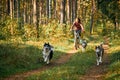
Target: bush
9 28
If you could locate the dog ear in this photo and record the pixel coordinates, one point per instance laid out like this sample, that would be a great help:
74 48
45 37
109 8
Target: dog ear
95 47
48 43
45 42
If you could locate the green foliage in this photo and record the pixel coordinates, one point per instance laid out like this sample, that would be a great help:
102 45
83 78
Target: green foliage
29 31
114 34
115 56
9 28
110 9
54 30
113 77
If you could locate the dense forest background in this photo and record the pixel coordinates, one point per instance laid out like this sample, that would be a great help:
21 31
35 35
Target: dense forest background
30 19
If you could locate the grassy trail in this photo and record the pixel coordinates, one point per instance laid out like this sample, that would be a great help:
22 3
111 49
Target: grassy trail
63 59
93 73
97 72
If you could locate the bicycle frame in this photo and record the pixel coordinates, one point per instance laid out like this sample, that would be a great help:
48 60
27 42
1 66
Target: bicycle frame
76 39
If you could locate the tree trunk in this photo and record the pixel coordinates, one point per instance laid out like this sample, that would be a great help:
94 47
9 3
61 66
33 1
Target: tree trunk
34 13
75 9
11 15
40 11
79 8
36 16
31 11
72 11
18 13
8 6
55 12
69 11
92 15
47 8
50 8
62 11
15 8
11 9
28 12
29 7
25 11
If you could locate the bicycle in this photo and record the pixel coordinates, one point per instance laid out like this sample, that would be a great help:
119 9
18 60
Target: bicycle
76 39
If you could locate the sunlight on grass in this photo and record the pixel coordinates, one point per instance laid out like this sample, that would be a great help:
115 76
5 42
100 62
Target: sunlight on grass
24 56
114 68
76 66
114 49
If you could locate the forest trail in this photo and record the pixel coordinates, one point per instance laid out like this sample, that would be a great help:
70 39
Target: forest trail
63 59
94 73
98 72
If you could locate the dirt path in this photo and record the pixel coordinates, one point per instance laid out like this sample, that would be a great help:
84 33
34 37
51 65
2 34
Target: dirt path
63 59
98 72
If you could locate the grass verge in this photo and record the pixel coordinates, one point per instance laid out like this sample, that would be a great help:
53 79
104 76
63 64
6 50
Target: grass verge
114 68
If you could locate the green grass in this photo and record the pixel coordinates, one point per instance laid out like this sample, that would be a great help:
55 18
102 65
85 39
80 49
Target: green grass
114 68
18 58
76 66
22 57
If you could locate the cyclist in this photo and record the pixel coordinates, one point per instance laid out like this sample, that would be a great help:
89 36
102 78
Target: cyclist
77 27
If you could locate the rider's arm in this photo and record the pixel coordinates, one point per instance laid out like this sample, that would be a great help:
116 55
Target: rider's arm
82 27
72 27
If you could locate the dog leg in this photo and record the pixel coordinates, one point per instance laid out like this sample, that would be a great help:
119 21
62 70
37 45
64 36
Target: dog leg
97 61
45 59
100 60
48 61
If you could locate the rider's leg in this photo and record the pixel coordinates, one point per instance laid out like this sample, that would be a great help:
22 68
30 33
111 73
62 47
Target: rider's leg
75 38
78 32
